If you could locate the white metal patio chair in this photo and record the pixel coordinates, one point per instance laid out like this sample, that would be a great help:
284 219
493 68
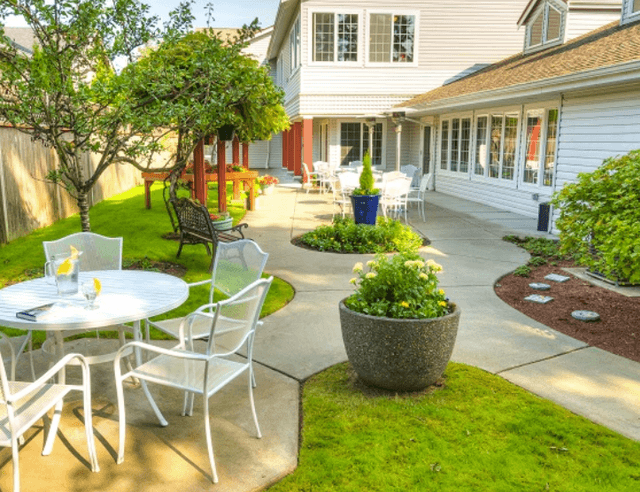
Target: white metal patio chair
394 197
23 404
97 253
202 373
340 195
309 177
411 171
12 348
419 195
235 266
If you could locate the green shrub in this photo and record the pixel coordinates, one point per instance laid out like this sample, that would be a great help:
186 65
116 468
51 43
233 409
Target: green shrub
522 271
345 236
601 209
537 261
366 178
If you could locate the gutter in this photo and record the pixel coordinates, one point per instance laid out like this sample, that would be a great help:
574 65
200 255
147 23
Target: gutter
615 74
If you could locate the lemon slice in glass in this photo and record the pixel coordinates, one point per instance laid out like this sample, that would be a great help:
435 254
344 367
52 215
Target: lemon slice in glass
65 267
97 286
74 253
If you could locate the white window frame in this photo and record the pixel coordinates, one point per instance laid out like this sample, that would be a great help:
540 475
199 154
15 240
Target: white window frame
450 118
538 187
544 12
311 36
364 136
416 37
295 51
628 14
502 113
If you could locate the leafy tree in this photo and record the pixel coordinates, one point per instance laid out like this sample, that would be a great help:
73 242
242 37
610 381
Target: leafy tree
51 94
194 84
68 96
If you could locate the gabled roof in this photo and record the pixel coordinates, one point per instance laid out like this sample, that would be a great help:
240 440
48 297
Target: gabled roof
531 6
607 46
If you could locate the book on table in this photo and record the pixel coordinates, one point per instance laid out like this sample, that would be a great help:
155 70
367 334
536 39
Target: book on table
36 313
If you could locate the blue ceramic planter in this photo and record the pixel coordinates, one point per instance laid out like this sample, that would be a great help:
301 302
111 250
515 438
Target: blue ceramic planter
365 208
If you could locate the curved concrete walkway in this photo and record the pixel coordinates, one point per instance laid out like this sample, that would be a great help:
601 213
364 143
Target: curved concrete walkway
304 338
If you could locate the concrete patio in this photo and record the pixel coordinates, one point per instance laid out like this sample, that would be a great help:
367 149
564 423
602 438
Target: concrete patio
304 338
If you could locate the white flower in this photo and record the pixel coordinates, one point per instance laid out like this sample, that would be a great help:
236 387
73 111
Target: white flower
370 275
353 281
358 267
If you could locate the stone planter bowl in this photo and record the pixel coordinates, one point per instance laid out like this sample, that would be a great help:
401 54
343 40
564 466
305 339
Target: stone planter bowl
398 354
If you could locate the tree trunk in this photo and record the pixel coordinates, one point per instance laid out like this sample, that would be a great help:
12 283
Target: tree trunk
83 205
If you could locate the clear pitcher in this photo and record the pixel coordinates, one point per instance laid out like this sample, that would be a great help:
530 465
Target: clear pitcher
63 270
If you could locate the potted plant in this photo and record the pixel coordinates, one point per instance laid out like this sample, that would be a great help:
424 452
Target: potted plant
267 184
398 327
222 221
365 199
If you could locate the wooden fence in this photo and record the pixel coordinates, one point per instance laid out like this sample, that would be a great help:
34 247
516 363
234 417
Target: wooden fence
27 202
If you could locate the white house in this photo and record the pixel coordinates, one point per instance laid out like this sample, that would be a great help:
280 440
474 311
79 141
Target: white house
511 134
341 64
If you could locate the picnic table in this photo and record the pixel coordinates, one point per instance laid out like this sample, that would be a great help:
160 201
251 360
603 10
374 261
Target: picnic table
246 178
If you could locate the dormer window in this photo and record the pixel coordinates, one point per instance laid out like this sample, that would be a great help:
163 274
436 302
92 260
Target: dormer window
630 11
546 27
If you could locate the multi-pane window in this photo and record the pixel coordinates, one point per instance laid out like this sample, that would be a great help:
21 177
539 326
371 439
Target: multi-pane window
501 143
495 150
294 47
540 147
391 38
354 142
510 145
465 143
545 26
376 153
456 145
335 37
481 145
444 145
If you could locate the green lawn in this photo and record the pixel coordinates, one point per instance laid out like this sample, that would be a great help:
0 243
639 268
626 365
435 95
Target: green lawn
125 215
477 433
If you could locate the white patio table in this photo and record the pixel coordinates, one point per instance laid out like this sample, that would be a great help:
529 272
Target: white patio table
127 296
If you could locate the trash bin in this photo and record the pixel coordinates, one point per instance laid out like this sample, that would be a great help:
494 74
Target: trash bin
543 217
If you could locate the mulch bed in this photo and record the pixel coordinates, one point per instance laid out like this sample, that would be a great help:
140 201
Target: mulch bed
618 330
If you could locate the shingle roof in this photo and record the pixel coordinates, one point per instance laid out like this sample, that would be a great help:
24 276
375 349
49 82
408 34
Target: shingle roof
609 45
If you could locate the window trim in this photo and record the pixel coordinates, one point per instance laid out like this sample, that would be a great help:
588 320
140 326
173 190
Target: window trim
543 11
539 187
363 137
295 47
311 36
449 118
489 113
628 14
416 37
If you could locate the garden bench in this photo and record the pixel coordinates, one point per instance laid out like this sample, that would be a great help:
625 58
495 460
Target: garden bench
196 227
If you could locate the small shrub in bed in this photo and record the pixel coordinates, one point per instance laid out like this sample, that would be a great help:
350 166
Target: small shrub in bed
345 236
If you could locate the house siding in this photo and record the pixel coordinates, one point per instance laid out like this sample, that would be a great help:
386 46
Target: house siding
451 38
595 128
583 21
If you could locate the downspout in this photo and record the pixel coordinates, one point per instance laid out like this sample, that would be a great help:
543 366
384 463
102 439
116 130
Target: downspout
555 168
268 154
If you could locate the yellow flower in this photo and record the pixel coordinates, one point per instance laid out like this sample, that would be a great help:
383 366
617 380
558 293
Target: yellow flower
404 304
441 292
443 303
370 275
424 276
371 264
419 263
357 267
408 263
353 281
